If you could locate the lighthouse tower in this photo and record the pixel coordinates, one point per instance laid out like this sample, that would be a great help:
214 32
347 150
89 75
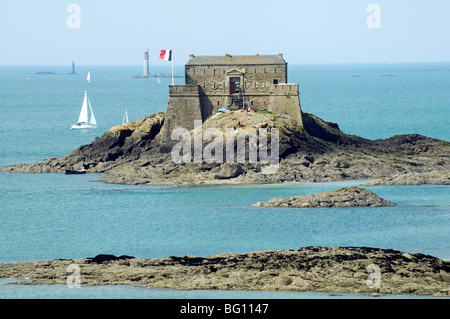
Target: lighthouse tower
146 67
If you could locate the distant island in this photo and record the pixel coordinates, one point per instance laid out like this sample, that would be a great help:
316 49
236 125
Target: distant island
161 75
45 73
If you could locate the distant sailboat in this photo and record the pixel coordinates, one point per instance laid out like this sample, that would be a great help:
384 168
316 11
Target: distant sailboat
159 80
89 77
125 117
83 122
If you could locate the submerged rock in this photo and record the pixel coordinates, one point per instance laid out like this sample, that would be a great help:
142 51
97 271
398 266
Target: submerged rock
343 197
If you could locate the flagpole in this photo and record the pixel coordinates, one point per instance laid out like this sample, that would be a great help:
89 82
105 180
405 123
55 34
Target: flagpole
173 80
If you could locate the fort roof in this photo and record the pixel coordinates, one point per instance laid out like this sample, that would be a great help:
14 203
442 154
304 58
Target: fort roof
236 60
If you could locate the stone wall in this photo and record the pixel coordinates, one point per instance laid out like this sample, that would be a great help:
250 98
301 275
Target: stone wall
279 99
286 101
214 79
183 108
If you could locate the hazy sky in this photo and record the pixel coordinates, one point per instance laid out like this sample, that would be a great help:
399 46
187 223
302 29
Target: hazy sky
113 32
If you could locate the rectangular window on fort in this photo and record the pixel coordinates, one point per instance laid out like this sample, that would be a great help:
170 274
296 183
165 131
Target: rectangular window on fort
275 81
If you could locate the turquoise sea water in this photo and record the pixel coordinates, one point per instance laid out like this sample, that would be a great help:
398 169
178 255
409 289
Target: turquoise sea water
49 216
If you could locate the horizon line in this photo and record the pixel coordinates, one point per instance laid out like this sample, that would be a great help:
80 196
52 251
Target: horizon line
291 63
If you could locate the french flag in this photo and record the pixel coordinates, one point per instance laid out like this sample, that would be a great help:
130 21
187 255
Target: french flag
166 55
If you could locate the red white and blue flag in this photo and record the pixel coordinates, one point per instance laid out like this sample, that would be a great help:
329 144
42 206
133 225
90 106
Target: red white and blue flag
166 55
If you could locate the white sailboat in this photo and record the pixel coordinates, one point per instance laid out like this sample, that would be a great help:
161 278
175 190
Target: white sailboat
125 117
89 77
159 80
83 119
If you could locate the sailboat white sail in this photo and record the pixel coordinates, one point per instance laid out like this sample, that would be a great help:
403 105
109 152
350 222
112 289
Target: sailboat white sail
83 119
92 120
89 77
125 117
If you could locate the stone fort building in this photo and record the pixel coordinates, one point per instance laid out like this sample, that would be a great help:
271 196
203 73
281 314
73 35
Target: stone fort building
257 82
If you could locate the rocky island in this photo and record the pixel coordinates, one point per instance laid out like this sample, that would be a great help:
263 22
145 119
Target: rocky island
241 94
316 152
343 197
321 269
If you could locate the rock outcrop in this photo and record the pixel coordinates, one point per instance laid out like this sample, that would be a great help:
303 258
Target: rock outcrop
321 269
439 177
315 152
343 197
